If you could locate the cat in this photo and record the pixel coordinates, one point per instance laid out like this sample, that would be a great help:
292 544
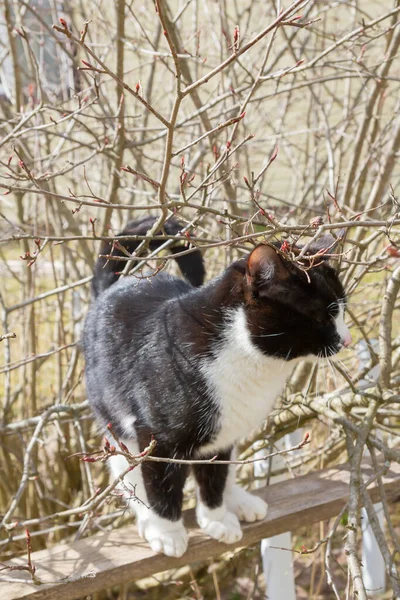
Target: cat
198 367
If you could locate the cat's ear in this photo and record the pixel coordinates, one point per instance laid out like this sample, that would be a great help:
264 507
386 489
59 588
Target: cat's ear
263 266
327 244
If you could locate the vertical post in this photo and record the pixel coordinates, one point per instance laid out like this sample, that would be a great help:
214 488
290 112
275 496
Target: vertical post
373 565
277 563
278 567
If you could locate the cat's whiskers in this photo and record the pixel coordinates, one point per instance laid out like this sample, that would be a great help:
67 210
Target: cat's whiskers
333 372
324 363
325 360
336 362
321 362
265 335
287 357
332 305
318 365
310 379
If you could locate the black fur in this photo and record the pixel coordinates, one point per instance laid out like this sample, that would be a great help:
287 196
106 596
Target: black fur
143 340
107 272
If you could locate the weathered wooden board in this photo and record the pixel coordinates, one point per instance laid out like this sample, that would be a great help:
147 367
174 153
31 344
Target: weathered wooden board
108 559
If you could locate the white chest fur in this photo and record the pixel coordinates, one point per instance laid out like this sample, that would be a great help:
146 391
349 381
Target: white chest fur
244 382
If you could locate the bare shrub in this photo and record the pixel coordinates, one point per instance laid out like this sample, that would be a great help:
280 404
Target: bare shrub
250 121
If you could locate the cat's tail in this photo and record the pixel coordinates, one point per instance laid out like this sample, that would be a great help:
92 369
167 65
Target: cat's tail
106 272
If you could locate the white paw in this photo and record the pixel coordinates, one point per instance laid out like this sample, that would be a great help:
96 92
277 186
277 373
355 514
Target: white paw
219 524
168 537
245 506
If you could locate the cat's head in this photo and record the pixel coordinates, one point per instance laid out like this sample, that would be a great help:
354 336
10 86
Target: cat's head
295 309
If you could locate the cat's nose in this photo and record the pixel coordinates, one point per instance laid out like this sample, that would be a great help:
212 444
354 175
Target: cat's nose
347 339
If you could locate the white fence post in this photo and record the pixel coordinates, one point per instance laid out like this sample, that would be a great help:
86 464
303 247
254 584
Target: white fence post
278 564
373 565
278 567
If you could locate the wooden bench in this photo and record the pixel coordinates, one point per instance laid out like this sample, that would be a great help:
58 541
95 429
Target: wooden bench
108 559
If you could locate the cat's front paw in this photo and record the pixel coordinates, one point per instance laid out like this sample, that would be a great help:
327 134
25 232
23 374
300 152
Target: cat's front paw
168 537
246 507
219 524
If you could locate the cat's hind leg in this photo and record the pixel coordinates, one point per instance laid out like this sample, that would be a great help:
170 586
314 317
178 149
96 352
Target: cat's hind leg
242 503
154 492
213 516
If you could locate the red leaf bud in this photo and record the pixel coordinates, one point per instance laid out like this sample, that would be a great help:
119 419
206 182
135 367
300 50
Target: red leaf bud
393 251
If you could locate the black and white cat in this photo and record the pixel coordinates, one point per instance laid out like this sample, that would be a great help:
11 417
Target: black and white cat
198 367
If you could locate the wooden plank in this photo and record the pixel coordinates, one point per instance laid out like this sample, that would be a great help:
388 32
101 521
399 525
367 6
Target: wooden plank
120 556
